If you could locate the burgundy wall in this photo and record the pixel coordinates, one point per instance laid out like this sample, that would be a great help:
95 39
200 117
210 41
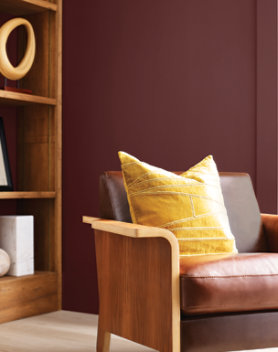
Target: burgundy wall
167 81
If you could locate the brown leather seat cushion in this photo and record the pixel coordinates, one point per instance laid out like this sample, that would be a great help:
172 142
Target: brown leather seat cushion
229 283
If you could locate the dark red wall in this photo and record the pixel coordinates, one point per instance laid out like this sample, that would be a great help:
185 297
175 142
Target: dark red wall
167 81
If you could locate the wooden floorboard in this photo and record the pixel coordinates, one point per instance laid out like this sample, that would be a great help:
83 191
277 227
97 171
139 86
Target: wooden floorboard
61 331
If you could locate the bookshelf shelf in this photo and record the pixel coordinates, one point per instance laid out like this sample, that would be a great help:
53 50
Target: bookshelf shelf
27 195
22 99
17 292
26 7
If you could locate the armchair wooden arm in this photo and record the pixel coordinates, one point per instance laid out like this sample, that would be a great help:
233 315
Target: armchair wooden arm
270 227
138 278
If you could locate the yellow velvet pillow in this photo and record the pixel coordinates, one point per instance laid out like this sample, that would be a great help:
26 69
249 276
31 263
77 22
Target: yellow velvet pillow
190 205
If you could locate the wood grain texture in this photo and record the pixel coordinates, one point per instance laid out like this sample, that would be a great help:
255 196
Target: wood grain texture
38 78
103 340
134 277
138 277
40 143
39 150
27 295
24 7
21 99
35 143
36 133
26 195
44 233
57 152
129 229
89 219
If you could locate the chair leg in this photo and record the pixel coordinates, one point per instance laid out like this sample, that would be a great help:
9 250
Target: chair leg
165 350
103 340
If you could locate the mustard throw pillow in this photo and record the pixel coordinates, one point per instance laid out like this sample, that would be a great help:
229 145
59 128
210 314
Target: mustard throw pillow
190 205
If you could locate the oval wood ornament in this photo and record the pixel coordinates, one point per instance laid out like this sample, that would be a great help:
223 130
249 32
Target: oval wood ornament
6 68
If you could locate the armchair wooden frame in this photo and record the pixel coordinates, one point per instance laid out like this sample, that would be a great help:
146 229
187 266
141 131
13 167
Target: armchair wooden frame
139 284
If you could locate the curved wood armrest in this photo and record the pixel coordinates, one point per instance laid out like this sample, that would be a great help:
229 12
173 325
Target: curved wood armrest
270 226
130 230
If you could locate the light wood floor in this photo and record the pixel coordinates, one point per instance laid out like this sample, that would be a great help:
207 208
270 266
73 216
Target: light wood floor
60 332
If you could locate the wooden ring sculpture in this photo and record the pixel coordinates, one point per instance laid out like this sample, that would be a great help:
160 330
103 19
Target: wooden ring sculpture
6 68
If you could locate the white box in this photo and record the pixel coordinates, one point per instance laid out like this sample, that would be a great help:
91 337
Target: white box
17 239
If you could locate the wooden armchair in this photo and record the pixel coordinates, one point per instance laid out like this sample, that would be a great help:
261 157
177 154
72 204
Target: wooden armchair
149 295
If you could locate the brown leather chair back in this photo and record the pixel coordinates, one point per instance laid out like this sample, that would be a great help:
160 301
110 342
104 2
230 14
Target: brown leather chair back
239 198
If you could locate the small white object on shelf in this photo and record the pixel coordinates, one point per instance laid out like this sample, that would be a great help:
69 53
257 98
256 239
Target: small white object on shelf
17 239
5 262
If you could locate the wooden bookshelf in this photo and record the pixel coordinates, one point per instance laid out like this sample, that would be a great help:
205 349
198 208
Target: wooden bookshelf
38 188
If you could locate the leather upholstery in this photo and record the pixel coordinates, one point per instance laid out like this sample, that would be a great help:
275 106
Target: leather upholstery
113 198
270 227
243 211
229 332
229 283
239 198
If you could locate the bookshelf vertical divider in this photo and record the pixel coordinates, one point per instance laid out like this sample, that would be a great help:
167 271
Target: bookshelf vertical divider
39 160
